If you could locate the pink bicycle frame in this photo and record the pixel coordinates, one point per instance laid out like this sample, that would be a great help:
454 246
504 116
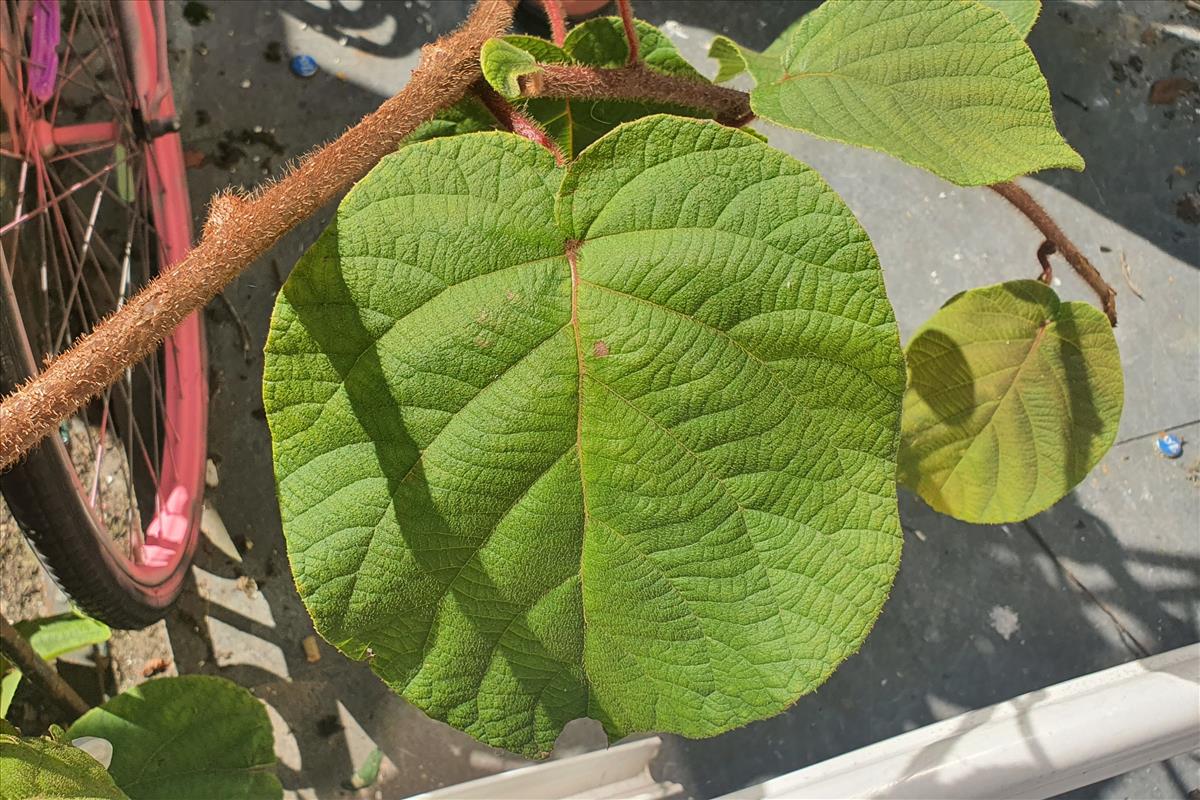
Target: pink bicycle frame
184 449
185 442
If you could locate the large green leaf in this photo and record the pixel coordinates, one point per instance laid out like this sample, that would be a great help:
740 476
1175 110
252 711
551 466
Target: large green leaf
598 42
50 638
194 736
1013 397
43 768
617 442
1021 13
948 85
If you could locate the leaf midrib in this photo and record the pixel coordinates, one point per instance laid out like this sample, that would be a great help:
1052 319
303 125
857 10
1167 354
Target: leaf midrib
1004 395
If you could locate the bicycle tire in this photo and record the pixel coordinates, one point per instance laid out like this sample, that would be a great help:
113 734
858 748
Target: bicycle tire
44 492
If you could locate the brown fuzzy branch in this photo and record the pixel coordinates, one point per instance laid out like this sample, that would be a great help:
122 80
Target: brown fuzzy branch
513 120
727 106
239 230
1025 203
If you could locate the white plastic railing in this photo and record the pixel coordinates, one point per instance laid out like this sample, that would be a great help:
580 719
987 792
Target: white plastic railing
1035 746
618 773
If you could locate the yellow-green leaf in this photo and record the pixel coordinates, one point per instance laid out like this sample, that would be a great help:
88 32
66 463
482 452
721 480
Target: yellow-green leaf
1013 397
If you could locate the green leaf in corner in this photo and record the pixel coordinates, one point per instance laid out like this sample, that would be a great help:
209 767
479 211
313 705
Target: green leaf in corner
9 681
659 389
1013 398
50 638
947 85
43 768
222 744
1021 13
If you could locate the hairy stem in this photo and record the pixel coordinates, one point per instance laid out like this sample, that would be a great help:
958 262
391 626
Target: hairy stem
625 9
725 105
513 120
1025 203
17 649
239 230
558 20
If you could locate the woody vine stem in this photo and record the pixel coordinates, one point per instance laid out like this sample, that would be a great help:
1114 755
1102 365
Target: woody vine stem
241 228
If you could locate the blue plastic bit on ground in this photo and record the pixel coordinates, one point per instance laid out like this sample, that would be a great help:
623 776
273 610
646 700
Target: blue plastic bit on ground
303 66
1169 445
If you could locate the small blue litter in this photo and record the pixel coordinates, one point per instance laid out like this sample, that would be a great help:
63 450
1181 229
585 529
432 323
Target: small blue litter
1169 445
303 66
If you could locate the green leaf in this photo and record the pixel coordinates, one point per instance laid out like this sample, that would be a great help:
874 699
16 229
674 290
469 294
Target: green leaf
50 638
947 85
7 727
599 42
8 689
503 64
730 61
1021 13
1013 397
658 392
368 772
194 736
466 116
733 60
41 768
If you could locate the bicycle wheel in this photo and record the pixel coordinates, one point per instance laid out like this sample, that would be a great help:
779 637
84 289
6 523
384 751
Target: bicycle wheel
94 201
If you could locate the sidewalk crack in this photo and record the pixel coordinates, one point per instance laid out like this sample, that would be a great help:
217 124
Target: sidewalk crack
1135 647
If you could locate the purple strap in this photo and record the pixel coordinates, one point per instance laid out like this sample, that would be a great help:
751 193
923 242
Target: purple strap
43 49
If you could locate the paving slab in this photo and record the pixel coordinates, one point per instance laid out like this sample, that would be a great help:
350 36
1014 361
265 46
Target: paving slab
979 613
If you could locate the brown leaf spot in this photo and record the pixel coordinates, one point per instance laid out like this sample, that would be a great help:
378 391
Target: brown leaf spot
600 348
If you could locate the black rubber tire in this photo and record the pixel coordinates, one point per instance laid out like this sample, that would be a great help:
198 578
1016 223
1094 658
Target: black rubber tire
46 499
70 547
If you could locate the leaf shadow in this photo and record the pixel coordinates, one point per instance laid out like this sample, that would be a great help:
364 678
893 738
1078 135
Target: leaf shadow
937 649
952 370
